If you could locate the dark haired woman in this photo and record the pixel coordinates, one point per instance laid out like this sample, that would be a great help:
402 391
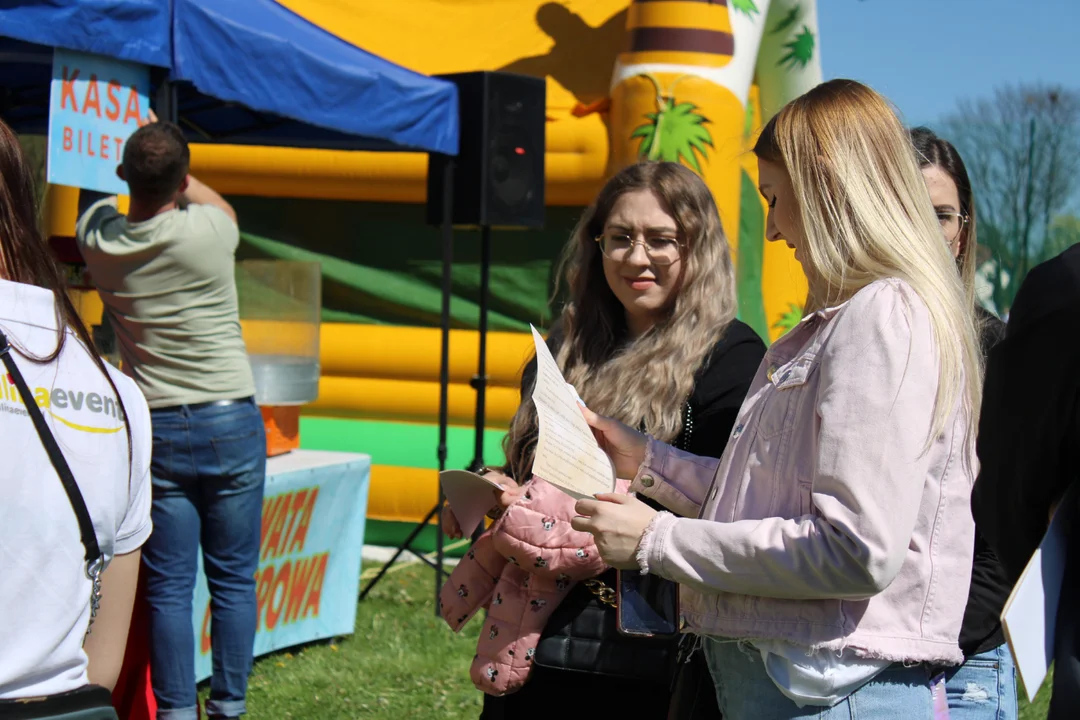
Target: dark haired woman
650 336
984 687
100 425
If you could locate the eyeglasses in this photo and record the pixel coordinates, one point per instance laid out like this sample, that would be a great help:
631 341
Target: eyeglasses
619 246
952 224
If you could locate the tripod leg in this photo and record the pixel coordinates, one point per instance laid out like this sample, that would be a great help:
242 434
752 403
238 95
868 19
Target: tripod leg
407 545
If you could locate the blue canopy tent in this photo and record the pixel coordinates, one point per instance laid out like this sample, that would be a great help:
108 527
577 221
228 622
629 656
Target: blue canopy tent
244 72
135 30
237 71
235 56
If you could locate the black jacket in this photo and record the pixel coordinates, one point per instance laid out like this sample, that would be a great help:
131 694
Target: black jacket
990 586
1029 433
1029 444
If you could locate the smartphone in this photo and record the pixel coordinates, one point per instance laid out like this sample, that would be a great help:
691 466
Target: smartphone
647 605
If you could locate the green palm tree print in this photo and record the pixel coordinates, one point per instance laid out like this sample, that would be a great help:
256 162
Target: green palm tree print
676 132
746 7
800 51
788 20
789 319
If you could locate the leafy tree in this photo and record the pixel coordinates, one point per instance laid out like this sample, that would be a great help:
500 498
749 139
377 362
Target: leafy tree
1064 233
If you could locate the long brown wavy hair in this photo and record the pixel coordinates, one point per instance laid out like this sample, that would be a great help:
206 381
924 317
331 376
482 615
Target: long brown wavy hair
642 381
26 258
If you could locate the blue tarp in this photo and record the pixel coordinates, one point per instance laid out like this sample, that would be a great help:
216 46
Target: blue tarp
263 56
135 30
246 71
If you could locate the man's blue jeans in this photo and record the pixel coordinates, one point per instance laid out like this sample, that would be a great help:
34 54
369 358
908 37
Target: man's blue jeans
208 468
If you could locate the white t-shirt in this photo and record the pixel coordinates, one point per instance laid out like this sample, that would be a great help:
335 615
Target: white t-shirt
821 678
44 591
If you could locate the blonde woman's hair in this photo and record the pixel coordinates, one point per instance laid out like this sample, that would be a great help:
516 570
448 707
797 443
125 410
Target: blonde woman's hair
644 381
865 215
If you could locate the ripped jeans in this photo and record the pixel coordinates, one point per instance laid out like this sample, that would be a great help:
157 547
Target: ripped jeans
984 687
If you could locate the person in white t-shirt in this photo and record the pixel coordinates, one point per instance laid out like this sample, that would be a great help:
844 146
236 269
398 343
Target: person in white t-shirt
101 424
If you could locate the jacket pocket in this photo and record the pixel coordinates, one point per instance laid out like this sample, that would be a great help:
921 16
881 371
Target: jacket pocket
785 395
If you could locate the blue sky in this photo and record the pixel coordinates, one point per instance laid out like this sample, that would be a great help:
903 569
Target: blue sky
926 54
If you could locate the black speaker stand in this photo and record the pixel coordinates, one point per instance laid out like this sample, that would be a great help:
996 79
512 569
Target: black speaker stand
480 380
444 385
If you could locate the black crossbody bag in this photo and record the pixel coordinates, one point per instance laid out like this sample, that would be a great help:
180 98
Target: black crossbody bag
93 697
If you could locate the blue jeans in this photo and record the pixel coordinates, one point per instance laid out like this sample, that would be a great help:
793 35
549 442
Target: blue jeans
984 687
208 471
746 692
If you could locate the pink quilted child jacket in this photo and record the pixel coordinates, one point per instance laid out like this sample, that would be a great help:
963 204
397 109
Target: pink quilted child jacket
519 571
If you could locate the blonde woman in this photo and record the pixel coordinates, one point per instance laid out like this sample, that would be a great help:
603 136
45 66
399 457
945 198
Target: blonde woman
649 336
830 568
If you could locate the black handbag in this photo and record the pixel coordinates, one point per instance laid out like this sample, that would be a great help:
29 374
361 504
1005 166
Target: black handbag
91 702
582 636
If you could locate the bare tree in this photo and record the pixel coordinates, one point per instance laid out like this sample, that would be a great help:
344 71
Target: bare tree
1022 150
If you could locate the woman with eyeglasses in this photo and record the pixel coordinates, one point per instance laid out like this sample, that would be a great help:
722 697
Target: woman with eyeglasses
984 687
648 335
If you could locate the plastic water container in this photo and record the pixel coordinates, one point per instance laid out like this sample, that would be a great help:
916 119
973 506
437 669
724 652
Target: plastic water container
280 307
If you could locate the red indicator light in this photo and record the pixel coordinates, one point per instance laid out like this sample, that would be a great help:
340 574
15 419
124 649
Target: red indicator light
519 150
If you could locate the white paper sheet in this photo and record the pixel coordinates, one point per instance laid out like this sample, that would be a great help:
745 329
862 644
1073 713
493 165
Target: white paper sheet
1029 616
567 454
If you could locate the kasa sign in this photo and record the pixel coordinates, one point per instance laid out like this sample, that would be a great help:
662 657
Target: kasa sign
95 104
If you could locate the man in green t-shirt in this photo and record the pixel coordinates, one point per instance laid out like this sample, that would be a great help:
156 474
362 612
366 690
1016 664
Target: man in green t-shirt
165 272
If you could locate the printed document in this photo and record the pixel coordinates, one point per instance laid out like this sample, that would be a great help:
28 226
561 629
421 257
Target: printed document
567 454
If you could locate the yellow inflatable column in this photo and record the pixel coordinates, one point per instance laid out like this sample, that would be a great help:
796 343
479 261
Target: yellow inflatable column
664 107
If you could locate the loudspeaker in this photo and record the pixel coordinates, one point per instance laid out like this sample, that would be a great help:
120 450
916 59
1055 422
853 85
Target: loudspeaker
499 170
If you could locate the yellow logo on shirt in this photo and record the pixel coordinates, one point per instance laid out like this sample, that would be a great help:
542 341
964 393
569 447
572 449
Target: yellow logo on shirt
58 402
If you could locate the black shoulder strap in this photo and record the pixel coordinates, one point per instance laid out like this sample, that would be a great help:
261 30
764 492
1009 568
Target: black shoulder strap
86 526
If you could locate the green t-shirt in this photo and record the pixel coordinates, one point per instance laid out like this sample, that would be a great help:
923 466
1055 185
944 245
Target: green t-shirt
169 289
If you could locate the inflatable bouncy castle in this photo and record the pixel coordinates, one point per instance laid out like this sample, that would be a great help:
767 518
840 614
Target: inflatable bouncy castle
689 81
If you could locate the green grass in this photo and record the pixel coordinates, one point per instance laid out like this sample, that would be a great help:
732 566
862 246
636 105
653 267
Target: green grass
1038 709
402 663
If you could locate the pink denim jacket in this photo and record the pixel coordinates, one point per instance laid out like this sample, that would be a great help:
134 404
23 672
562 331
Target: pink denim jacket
825 523
519 570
